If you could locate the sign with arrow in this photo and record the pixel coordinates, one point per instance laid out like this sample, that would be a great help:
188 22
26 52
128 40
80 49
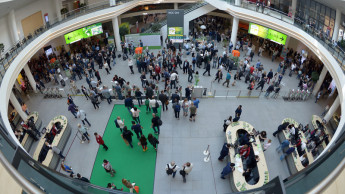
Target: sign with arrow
276 36
267 33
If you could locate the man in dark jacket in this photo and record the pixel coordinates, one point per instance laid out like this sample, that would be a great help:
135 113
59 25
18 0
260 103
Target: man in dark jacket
129 104
281 128
208 68
72 109
269 90
224 152
127 134
163 98
175 97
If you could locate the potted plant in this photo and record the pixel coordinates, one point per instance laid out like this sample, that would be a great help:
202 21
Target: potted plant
156 27
124 29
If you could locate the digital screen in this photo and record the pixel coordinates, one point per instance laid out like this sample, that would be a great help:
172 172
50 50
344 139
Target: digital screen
175 31
267 33
85 32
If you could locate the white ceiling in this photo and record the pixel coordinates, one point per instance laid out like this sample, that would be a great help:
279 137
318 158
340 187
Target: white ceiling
7 5
333 4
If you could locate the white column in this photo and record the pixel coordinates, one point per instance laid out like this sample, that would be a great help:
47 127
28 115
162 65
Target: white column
336 24
238 2
17 106
175 5
30 77
117 34
234 30
332 109
58 9
186 27
112 2
320 81
287 42
13 26
293 8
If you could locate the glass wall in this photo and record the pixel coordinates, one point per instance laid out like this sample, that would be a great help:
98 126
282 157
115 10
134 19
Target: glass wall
320 17
281 5
342 28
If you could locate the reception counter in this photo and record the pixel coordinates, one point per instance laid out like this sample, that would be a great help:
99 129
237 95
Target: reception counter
27 140
59 140
239 180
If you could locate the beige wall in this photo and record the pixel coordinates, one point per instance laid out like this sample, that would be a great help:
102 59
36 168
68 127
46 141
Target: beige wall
7 184
337 186
31 23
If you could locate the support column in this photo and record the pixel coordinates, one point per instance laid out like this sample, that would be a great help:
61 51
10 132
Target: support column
30 77
17 106
186 27
13 26
320 81
175 5
293 8
58 9
336 25
238 2
332 109
117 33
234 30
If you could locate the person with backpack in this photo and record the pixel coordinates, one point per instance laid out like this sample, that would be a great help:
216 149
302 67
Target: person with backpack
82 178
171 169
156 122
137 128
153 141
177 109
127 135
120 123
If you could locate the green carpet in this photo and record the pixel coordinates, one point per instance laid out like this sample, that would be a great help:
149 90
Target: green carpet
129 163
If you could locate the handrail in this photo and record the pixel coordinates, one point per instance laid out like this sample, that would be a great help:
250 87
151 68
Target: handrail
336 51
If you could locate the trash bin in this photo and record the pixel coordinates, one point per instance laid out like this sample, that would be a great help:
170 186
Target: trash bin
197 92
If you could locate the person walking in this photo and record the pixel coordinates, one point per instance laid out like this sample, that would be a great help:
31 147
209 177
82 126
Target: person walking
84 133
106 94
100 141
128 184
219 75
227 79
153 104
137 128
171 168
108 168
73 109
190 74
177 109
186 169
120 123
229 168
143 142
196 76
269 90
106 67
208 68
156 122
85 92
192 110
238 111
82 115
127 135
135 114
94 100
153 141
130 65
129 103
224 152
138 95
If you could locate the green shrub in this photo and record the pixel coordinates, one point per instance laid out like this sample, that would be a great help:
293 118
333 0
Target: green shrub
124 29
156 27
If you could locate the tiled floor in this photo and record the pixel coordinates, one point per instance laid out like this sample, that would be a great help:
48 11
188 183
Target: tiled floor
182 140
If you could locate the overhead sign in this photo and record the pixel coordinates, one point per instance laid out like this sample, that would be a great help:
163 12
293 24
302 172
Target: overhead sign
85 32
267 33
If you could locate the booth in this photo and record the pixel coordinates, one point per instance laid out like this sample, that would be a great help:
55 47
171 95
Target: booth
27 140
50 159
231 138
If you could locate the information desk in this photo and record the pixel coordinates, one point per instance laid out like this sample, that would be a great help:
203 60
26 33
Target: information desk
239 180
60 141
27 140
315 118
296 161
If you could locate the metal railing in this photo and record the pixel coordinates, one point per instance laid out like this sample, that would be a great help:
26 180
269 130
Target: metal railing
10 54
337 52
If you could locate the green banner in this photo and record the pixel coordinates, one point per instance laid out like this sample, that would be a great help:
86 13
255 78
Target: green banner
257 30
276 36
85 32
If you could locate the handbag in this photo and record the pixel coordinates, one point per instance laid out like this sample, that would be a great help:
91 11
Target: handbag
167 102
182 172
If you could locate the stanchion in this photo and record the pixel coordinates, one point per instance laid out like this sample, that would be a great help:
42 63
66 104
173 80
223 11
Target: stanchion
207 150
207 158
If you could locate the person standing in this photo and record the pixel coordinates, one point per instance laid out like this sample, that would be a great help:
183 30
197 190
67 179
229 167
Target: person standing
177 109
171 168
138 95
164 100
224 152
190 74
153 104
192 110
185 107
82 115
94 100
85 92
137 128
238 111
127 135
187 168
230 167
106 94
156 122
227 79
129 104
196 78
100 141
135 114
196 102
120 123
143 142
108 168
153 140
98 76
83 131
106 67
25 109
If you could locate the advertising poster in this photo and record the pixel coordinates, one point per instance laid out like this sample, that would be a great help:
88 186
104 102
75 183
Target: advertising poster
175 22
267 33
82 33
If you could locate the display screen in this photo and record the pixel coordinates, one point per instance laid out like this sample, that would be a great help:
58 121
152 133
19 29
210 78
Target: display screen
85 32
175 31
267 33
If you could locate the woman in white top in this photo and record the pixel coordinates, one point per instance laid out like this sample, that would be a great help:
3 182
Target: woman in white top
187 168
130 65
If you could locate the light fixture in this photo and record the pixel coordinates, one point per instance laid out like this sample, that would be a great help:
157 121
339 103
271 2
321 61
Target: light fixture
145 13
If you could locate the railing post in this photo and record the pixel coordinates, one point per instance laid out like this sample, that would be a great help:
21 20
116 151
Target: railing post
227 94
239 93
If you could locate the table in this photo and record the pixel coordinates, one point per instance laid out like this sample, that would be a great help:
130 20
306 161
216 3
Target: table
239 180
27 140
296 159
60 141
